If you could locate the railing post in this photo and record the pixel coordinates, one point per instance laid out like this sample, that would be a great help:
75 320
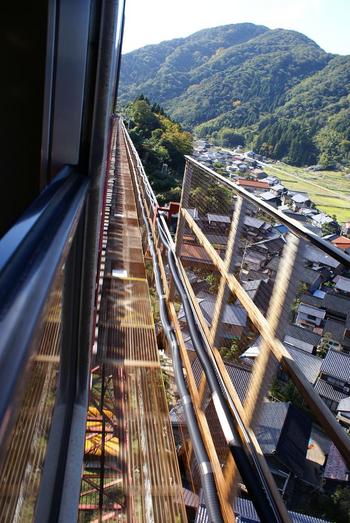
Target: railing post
185 195
266 364
231 255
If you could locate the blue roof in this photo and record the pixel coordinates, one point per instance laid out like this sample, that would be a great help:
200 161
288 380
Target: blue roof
281 228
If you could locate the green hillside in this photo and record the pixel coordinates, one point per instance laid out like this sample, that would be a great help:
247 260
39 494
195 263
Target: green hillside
288 97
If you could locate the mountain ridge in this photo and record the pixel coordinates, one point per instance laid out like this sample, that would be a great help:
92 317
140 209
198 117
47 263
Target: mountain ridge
242 76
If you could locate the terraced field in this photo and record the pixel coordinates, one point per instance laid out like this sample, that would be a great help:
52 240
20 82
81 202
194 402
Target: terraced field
329 190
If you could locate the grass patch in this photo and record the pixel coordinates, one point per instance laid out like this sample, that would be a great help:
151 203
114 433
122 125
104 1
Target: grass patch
331 194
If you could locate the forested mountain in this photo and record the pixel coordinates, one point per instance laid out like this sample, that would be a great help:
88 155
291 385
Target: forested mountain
277 88
161 144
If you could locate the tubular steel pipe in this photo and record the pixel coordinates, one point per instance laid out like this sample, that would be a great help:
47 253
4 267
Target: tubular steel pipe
235 432
207 476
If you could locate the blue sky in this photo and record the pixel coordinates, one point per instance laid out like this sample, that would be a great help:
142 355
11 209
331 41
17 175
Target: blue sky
151 21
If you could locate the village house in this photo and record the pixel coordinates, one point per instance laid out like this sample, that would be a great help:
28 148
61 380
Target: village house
333 384
300 201
342 243
233 322
253 260
271 198
316 259
343 415
301 338
218 222
342 285
309 316
254 186
335 332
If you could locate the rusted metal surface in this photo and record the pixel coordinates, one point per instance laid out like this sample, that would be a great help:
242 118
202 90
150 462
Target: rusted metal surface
131 471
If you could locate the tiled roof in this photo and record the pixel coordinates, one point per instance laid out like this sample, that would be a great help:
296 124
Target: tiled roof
336 303
337 365
299 333
309 365
300 198
336 467
233 315
312 311
344 405
284 430
219 218
342 284
309 276
326 390
246 513
315 255
270 423
322 218
239 375
252 183
253 222
268 196
336 329
311 300
272 245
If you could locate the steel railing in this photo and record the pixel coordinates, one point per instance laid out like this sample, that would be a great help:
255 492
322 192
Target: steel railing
237 420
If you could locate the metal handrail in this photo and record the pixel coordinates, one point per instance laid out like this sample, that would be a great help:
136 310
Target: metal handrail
30 255
293 225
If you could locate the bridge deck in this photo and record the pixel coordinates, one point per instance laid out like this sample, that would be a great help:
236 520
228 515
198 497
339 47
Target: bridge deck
130 470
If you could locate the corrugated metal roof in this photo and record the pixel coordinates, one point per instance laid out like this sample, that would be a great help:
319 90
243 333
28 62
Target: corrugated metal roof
252 183
337 364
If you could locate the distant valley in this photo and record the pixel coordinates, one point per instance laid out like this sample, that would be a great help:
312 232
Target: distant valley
275 89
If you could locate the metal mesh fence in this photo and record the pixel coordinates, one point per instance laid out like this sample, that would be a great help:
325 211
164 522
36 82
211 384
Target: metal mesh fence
264 295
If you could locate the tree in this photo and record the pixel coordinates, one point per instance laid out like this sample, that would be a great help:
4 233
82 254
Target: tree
341 499
214 198
331 227
232 352
227 137
323 346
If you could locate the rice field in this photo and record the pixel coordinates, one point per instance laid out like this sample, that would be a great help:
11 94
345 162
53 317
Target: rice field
329 190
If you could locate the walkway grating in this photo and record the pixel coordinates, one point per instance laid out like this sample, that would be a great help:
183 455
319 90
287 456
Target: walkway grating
130 471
